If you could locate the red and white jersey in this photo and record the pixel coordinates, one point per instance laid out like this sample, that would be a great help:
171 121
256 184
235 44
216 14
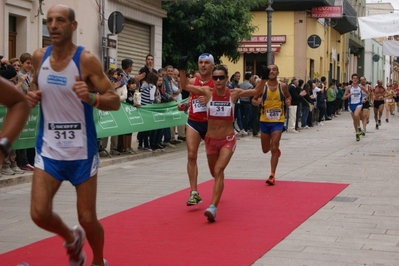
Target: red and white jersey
197 110
396 91
221 107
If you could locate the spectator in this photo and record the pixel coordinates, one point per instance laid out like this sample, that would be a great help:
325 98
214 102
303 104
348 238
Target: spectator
245 105
320 103
255 109
234 82
162 72
338 99
299 106
116 77
24 76
120 89
331 100
17 65
148 91
156 134
307 102
168 89
292 88
181 129
127 138
148 67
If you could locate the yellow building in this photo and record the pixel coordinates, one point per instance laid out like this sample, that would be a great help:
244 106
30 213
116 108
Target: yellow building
302 46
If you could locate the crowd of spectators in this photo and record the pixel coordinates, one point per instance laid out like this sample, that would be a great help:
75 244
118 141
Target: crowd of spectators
149 86
313 103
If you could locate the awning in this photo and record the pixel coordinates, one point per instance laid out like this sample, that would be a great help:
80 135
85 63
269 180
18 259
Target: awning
258 48
390 47
379 26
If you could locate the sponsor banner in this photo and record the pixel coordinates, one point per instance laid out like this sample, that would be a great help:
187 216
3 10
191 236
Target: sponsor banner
127 119
327 12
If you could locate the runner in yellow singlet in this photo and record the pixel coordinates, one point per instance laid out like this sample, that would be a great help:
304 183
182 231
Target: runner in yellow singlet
272 118
389 102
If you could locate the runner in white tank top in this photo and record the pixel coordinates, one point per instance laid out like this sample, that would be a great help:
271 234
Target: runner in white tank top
64 81
354 93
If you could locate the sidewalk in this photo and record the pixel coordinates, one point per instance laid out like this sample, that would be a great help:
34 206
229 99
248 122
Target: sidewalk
358 227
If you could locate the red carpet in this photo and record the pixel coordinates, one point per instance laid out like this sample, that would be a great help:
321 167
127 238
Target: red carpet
251 219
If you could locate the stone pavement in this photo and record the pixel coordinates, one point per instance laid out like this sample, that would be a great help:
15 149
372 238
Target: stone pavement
358 227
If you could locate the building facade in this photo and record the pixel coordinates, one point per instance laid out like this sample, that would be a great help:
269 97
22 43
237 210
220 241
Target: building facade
24 28
302 45
377 65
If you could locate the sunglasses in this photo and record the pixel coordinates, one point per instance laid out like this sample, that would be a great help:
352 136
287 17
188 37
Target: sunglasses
215 78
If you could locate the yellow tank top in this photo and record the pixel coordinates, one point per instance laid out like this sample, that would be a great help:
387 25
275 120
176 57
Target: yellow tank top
272 107
389 98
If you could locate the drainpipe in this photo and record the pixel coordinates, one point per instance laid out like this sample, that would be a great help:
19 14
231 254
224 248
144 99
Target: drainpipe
102 31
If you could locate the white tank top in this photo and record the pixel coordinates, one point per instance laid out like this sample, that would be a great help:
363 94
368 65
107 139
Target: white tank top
66 129
356 95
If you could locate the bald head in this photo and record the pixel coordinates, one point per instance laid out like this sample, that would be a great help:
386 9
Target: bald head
71 13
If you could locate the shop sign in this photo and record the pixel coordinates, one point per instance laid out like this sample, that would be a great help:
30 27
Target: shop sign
327 12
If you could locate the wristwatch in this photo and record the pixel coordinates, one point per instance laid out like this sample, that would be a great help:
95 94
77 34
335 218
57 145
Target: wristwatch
5 146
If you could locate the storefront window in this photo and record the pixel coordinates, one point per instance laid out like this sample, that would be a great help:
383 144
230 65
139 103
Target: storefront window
254 62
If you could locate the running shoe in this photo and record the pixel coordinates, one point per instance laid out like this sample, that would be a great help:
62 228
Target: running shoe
194 199
379 122
210 213
75 250
387 120
271 180
27 167
376 126
357 137
105 263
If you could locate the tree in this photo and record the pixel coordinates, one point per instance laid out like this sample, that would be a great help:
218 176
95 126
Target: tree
206 26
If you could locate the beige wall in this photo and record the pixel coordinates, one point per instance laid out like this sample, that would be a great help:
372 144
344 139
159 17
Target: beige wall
316 54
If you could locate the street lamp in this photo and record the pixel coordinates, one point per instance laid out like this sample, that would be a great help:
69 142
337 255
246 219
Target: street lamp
269 11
